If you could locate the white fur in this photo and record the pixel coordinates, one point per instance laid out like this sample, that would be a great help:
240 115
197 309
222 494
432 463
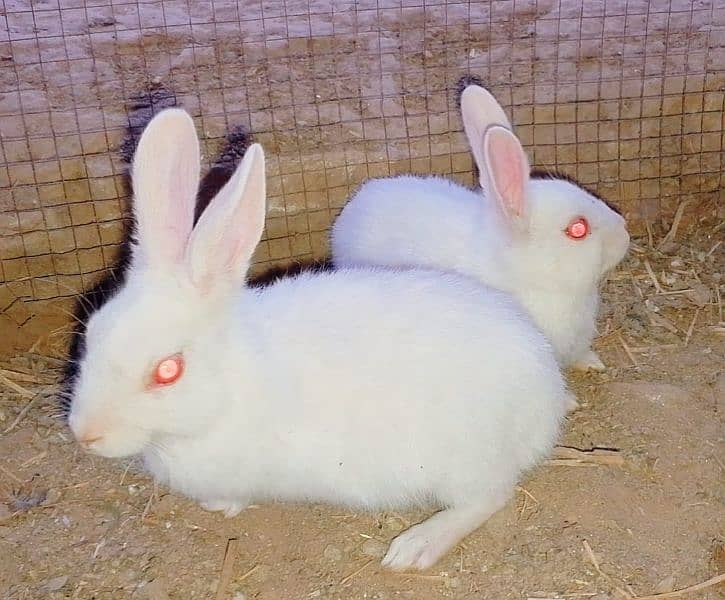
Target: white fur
432 222
370 388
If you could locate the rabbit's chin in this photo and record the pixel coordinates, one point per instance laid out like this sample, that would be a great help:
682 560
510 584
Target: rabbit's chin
120 444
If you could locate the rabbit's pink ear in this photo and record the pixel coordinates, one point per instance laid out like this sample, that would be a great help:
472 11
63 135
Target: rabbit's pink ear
229 230
165 183
505 174
480 110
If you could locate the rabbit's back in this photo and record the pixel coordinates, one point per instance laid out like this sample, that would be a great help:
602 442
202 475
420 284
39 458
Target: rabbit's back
416 221
386 384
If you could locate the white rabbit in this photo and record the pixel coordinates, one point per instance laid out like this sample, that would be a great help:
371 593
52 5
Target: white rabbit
371 388
546 241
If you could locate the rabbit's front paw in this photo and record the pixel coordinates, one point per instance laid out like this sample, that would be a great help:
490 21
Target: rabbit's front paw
589 361
422 545
571 402
230 509
414 549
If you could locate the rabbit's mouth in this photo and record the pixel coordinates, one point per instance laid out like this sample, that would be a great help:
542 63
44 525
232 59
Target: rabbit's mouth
95 436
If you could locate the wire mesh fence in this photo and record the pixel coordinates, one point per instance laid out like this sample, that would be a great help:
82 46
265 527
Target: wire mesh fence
626 96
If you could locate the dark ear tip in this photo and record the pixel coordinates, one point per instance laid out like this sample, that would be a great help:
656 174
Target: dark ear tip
141 109
463 83
238 141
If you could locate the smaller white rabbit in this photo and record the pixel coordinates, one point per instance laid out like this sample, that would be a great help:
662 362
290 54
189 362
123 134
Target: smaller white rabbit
365 387
546 241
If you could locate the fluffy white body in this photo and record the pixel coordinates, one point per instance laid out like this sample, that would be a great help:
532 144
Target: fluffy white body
370 388
432 222
511 236
384 400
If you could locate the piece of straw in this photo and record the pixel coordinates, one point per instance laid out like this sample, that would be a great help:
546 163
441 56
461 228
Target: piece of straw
670 236
716 580
230 555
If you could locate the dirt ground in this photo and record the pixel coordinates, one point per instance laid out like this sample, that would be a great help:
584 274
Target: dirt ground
356 92
77 526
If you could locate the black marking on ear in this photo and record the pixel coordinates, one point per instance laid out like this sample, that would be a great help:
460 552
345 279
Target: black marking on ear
545 174
463 83
142 107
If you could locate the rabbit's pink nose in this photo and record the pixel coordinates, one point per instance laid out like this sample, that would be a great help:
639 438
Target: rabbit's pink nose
85 433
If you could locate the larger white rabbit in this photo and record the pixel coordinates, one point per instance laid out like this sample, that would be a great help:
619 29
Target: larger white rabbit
369 388
546 241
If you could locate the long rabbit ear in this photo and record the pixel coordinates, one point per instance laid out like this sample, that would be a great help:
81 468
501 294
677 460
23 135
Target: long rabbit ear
480 110
505 174
165 181
229 230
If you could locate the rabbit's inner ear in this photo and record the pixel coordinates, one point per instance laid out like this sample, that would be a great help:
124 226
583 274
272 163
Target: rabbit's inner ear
506 173
165 182
229 230
479 111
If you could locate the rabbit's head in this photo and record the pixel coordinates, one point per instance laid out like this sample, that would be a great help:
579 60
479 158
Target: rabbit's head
559 233
155 364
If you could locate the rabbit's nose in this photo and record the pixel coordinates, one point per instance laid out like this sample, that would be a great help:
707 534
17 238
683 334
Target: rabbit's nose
85 433
87 436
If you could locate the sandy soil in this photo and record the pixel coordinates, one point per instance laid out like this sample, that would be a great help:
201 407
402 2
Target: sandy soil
77 526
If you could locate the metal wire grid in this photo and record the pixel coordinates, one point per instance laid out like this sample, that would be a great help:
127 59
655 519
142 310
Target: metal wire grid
625 95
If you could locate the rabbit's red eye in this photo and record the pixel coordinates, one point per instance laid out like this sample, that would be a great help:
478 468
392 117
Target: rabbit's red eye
578 229
169 370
